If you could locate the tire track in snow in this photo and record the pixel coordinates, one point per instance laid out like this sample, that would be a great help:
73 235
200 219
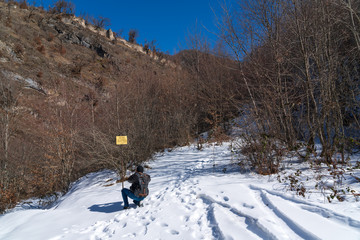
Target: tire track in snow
216 231
324 212
253 224
303 233
331 219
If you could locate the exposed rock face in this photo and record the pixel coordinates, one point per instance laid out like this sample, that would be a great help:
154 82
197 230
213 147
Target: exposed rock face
110 35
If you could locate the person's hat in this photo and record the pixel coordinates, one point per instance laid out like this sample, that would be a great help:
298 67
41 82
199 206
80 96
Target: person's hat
140 169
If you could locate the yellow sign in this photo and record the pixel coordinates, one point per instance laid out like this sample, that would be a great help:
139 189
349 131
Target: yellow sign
121 140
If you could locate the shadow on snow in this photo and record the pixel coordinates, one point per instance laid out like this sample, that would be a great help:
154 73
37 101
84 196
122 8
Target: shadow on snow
106 207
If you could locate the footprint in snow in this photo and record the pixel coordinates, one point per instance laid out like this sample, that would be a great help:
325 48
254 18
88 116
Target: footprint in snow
226 199
185 218
129 235
174 232
248 206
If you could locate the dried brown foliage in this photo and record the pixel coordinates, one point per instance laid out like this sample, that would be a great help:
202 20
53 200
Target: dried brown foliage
18 49
37 40
100 22
50 37
62 50
62 6
133 34
23 5
41 49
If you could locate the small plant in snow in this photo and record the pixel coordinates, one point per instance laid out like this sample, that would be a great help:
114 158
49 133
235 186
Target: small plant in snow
332 185
294 183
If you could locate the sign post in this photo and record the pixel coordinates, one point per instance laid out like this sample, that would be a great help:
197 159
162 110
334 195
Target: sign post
122 140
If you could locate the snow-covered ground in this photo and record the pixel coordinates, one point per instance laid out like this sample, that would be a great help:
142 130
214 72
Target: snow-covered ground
189 199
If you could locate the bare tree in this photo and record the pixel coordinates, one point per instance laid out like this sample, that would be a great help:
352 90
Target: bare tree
8 107
62 6
9 116
296 59
101 22
133 34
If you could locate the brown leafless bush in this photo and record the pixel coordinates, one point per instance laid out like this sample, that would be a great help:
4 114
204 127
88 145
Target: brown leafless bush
41 49
50 37
19 49
133 34
24 5
9 117
40 74
62 6
62 50
37 40
100 22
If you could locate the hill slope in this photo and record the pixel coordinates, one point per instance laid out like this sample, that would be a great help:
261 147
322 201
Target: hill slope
67 88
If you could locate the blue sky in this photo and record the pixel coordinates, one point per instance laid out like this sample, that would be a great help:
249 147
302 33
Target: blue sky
166 21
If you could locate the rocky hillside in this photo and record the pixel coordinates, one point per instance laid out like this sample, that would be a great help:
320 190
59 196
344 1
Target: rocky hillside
68 88
49 46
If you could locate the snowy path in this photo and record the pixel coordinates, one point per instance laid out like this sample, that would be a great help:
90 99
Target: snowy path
189 199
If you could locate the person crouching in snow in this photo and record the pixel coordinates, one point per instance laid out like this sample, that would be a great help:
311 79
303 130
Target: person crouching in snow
139 187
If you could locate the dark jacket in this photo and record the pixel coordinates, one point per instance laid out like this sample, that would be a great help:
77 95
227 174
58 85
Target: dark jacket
134 179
